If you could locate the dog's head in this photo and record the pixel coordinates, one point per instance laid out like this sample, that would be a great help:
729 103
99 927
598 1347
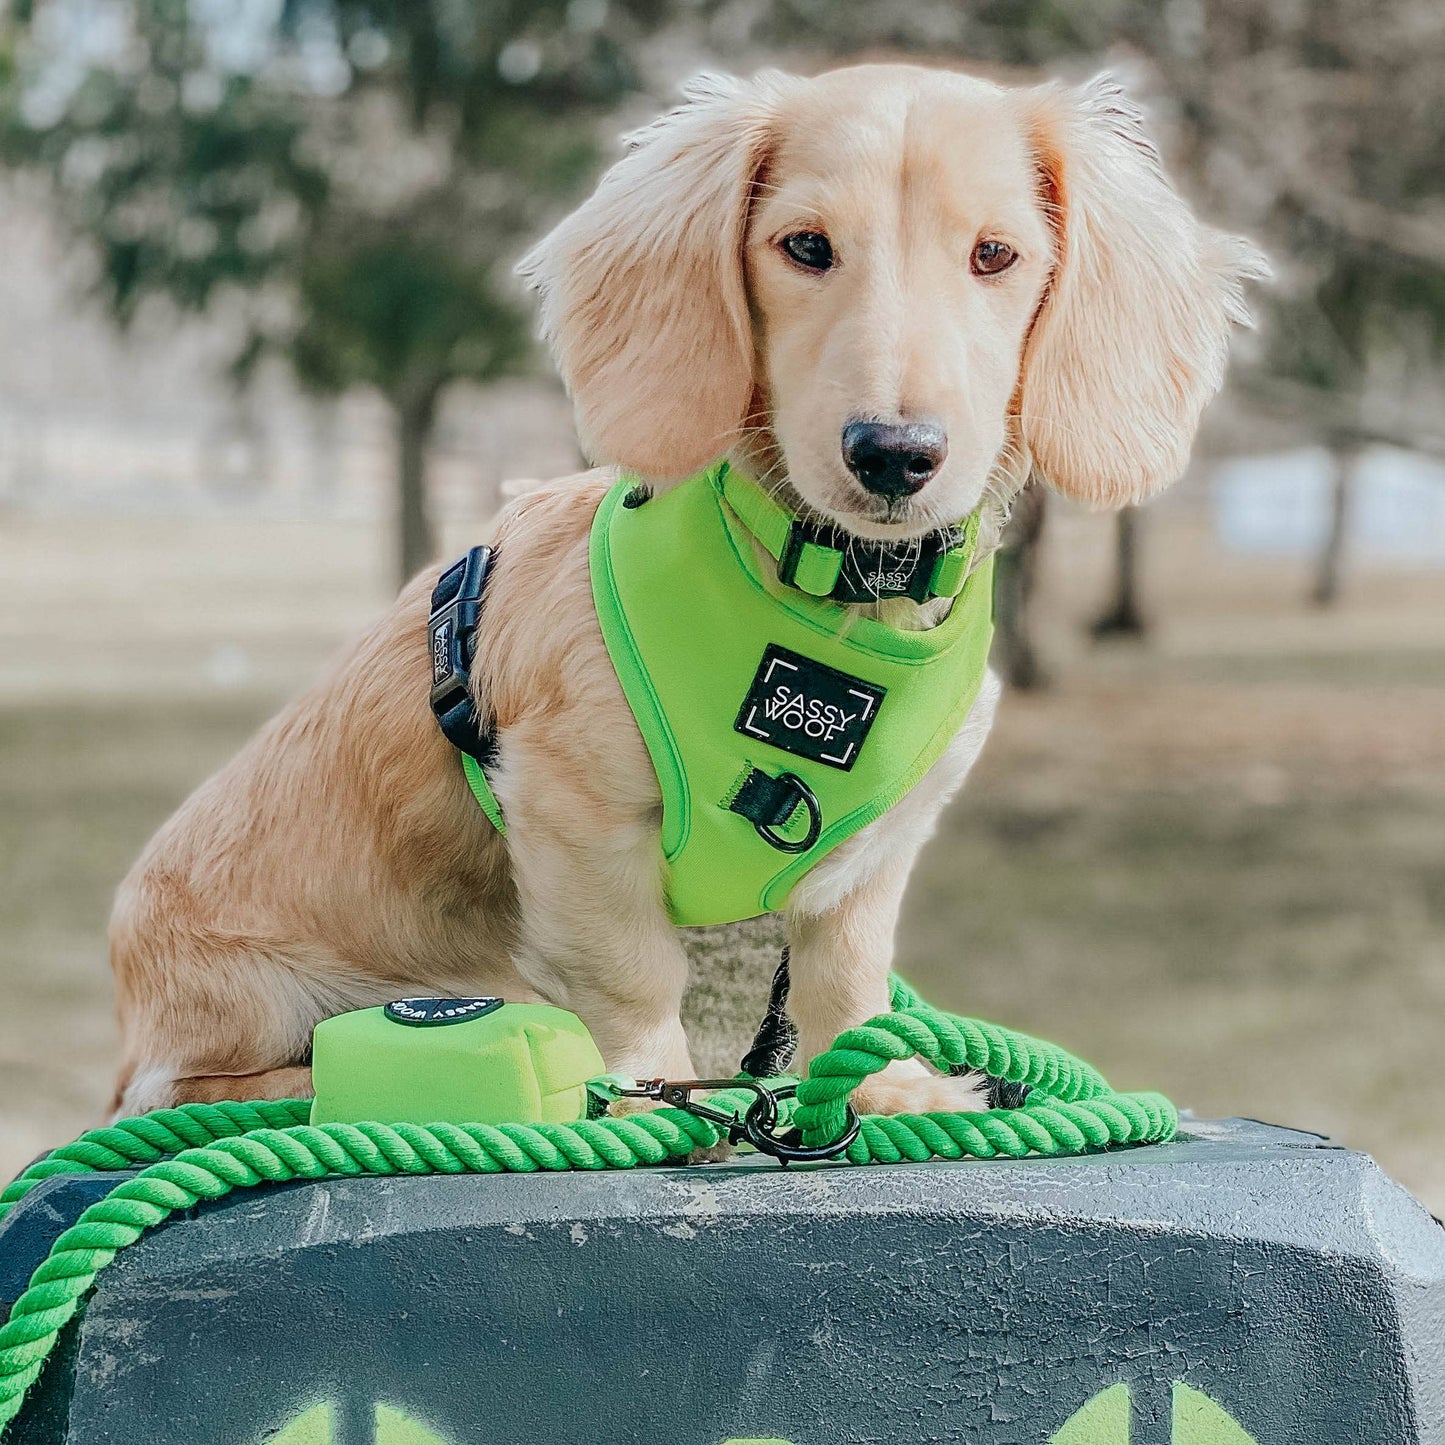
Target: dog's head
890 287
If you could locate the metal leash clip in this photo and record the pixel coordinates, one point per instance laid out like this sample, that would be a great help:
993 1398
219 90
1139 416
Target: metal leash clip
757 1125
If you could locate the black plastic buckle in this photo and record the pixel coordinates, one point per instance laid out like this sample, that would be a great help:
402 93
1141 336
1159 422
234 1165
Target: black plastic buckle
870 571
456 604
799 533
873 571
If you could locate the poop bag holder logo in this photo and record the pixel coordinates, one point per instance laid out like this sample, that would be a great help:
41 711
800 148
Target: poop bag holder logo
809 710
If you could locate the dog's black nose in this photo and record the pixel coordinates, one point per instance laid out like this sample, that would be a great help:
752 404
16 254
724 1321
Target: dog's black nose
894 461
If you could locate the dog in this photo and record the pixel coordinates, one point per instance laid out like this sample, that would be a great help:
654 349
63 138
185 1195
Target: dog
1002 277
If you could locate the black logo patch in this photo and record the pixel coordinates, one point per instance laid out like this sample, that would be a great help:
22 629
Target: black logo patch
809 710
429 1012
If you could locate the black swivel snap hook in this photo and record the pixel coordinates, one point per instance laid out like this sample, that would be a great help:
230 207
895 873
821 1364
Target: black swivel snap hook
757 1125
761 1120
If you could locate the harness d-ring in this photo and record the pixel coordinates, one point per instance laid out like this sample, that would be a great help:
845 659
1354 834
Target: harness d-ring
805 796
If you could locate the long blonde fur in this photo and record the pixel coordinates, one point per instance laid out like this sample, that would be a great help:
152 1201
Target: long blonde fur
340 860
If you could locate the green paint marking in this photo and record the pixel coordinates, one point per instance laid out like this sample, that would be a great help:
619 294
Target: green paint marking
311 1428
1199 1421
1104 1420
394 1428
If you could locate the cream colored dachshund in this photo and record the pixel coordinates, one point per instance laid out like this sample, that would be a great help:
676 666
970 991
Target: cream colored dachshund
889 295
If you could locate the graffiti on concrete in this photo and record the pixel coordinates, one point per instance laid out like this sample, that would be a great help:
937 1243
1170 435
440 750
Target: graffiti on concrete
318 1426
1195 1419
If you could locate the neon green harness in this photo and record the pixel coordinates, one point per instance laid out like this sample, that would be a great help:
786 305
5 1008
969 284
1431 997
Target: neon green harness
779 722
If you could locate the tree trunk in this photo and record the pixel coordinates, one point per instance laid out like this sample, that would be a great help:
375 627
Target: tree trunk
1124 618
1344 466
415 417
1015 570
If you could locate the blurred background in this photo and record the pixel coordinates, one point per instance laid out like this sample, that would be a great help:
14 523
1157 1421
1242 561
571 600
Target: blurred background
261 355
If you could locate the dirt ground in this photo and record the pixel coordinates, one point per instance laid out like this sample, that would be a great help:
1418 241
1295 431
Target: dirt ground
1211 864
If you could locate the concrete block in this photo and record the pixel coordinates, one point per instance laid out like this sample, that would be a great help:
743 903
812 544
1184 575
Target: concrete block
1243 1284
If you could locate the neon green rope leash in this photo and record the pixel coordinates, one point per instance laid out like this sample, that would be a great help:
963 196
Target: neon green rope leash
1078 1112
204 1151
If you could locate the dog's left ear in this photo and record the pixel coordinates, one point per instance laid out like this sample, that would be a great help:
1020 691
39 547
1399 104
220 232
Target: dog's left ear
643 300
1131 338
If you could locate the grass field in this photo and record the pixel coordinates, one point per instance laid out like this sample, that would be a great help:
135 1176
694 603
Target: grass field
1212 864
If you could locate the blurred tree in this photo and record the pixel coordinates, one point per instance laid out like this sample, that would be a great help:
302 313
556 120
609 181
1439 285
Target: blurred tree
1015 579
1123 616
349 177
1345 452
1321 128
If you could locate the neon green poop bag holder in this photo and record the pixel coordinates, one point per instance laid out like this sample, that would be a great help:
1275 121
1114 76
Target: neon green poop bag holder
459 1060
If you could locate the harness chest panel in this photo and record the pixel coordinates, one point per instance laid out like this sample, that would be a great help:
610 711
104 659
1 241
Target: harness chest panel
735 680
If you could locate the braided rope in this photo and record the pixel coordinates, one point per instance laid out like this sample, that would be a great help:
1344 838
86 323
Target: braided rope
1051 1130
201 1152
302 1151
148 1138
1080 1113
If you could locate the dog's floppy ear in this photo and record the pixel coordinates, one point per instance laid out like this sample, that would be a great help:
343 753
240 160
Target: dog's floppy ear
643 300
1131 337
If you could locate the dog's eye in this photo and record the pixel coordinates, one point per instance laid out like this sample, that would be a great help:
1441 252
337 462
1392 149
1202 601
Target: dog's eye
811 249
991 257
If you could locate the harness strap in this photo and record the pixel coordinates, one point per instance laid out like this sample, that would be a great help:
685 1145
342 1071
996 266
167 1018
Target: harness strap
820 561
482 792
456 609
825 562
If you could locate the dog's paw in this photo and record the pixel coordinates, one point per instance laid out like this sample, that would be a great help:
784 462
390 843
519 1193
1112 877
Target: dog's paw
715 1155
621 1108
908 1087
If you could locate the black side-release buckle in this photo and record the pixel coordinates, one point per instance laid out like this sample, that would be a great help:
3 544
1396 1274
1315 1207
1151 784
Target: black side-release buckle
798 533
456 608
870 571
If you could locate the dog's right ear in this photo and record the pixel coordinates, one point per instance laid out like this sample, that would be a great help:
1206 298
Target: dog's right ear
1131 338
643 301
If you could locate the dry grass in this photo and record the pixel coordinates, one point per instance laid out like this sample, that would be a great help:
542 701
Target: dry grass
1211 864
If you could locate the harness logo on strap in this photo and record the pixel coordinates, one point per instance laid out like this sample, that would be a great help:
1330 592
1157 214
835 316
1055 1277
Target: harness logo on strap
441 652
809 710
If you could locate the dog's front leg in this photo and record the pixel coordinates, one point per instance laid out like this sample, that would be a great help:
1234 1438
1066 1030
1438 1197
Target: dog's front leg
597 939
839 962
595 934
841 923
